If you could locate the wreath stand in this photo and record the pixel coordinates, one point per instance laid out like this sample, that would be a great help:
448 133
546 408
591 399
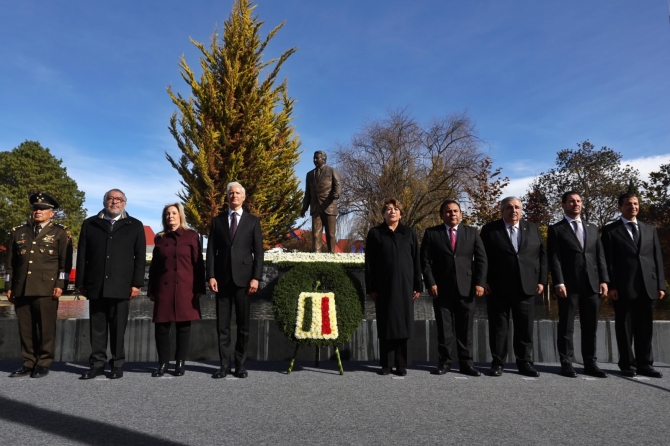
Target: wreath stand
316 359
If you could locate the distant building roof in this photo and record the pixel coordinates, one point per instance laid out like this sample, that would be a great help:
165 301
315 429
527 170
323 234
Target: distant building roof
149 234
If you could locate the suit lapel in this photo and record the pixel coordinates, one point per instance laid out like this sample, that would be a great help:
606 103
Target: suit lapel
623 232
444 237
523 229
504 233
567 228
226 225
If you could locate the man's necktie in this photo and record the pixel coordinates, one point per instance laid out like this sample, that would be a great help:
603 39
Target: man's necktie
579 231
452 238
38 228
233 224
513 238
635 232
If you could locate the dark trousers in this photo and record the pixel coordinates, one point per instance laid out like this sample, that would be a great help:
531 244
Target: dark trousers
633 325
108 317
162 332
37 329
395 347
320 221
522 308
454 315
589 307
229 294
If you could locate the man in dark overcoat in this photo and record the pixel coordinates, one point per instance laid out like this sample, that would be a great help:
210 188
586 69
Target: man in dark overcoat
517 273
110 271
234 270
579 272
637 280
322 189
37 274
454 267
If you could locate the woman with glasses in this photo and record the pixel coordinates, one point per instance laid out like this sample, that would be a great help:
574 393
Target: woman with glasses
393 282
176 282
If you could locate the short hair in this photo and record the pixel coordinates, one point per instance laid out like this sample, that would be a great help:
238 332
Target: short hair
235 183
393 202
125 200
625 196
564 197
321 153
506 200
182 217
447 202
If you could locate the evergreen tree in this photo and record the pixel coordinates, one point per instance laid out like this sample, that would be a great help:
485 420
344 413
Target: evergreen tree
30 168
236 126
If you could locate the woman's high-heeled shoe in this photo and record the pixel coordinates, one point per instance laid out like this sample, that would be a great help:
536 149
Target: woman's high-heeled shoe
160 371
179 368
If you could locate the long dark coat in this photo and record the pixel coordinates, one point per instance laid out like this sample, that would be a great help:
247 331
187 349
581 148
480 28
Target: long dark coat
111 259
393 271
176 274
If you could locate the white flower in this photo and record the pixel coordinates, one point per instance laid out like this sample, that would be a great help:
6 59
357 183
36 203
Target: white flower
274 256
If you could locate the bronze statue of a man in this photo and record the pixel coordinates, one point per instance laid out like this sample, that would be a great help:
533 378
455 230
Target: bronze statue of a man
322 189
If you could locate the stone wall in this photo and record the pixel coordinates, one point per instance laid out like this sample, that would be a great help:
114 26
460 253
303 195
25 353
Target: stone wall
267 343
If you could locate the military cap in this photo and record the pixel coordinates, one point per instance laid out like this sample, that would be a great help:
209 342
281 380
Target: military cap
41 200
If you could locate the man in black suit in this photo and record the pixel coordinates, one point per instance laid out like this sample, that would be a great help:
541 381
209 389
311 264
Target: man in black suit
635 267
111 259
517 273
322 189
454 267
579 270
234 269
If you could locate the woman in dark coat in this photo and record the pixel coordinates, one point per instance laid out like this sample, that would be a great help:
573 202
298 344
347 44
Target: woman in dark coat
176 282
393 282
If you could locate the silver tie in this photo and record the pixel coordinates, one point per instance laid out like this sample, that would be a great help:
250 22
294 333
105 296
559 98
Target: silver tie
579 231
514 239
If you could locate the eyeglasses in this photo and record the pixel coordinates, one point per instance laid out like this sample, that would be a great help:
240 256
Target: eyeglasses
115 200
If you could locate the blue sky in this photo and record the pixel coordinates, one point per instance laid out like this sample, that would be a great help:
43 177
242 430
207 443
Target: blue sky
87 79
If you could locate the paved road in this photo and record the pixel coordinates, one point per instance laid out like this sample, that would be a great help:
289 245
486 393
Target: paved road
318 406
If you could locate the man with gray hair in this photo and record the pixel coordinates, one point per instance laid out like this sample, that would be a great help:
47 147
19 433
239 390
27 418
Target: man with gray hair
234 269
110 271
517 273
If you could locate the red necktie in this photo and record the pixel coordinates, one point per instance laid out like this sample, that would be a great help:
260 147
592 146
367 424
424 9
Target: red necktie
452 238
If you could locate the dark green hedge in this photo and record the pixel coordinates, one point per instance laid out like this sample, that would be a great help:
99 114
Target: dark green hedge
303 278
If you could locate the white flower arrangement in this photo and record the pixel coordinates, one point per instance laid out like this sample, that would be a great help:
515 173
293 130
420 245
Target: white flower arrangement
274 256
315 331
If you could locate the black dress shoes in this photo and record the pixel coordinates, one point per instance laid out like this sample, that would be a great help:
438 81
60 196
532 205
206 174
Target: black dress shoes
116 373
443 369
527 369
39 372
160 371
628 373
568 371
595 371
385 371
496 370
401 371
221 373
467 369
241 373
179 368
23 371
93 372
649 371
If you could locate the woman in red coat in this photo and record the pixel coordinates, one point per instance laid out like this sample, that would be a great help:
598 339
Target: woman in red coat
176 282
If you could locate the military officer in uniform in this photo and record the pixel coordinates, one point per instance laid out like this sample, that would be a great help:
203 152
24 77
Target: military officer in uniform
37 274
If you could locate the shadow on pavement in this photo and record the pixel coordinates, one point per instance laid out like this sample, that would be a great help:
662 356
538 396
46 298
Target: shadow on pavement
74 428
